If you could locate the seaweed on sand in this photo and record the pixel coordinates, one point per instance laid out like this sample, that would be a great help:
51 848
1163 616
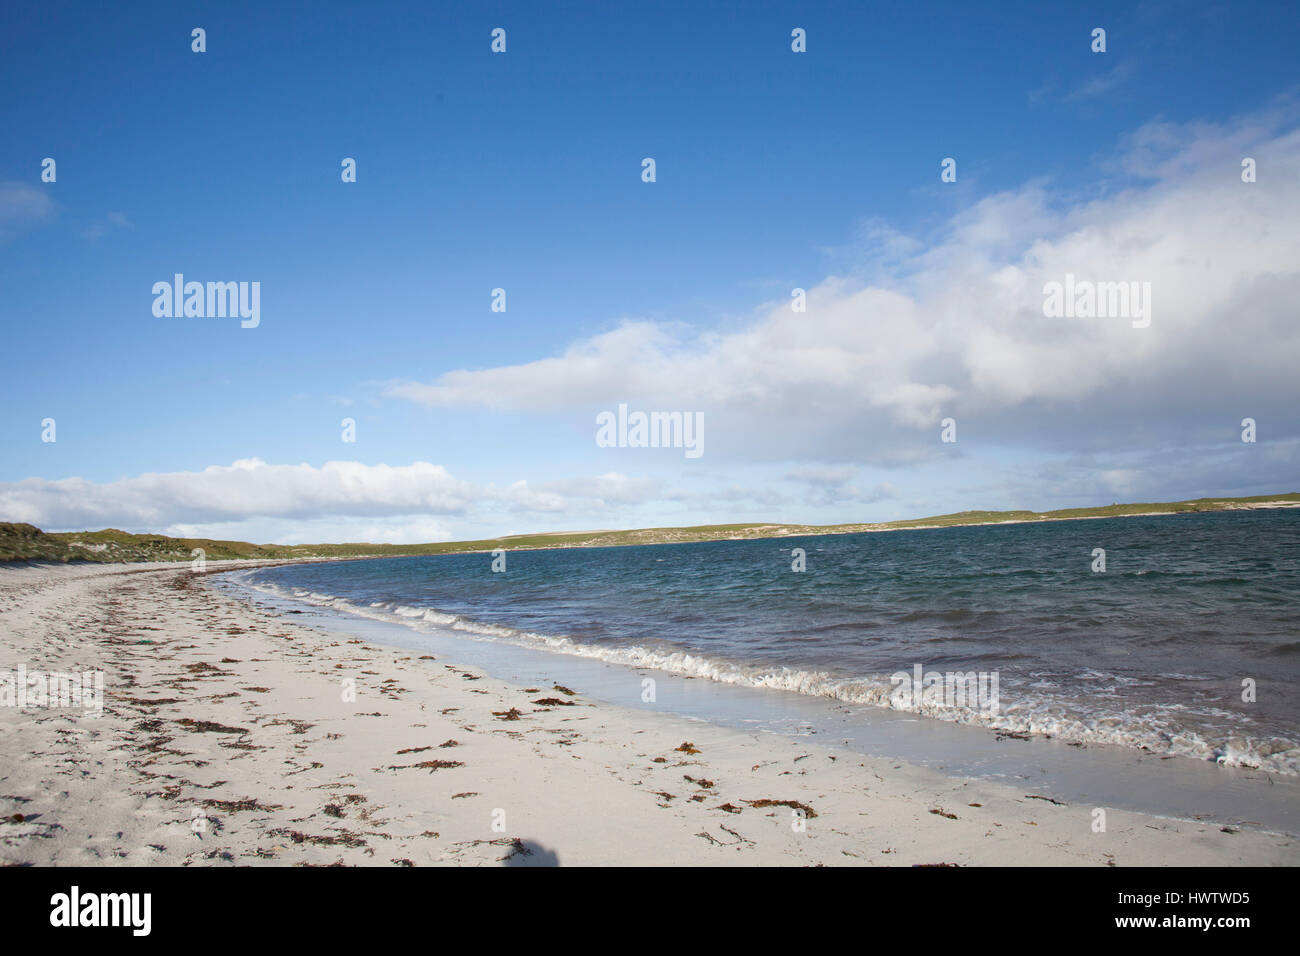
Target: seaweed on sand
808 811
209 727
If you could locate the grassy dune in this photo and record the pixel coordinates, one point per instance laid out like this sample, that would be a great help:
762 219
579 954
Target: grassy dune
24 542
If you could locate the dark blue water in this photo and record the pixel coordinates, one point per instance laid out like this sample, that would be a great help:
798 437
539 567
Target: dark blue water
1151 653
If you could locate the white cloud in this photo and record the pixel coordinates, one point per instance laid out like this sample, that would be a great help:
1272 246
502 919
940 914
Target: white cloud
22 206
1102 83
340 500
957 328
332 529
247 488
823 475
830 485
101 227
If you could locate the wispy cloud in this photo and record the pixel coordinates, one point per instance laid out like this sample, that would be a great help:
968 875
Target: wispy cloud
102 227
23 206
832 485
1101 84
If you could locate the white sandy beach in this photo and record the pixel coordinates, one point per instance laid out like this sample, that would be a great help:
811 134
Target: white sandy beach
225 739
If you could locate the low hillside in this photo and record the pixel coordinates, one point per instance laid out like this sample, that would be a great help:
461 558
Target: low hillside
24 542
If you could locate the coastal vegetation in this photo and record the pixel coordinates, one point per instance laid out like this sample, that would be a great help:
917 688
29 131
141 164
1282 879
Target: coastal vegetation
25 542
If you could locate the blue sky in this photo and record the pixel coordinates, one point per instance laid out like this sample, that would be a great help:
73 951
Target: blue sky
522 171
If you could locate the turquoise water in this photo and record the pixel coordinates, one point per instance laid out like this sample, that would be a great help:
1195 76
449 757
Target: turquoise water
1150 653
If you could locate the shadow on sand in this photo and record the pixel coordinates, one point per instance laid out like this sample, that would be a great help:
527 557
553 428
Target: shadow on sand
529 853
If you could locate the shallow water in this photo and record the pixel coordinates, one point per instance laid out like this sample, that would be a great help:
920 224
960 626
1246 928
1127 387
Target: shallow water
1151 653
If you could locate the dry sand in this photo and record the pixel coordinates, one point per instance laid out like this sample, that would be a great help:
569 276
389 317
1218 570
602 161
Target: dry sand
225 739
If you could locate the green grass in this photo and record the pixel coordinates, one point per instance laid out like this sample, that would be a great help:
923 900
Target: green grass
24 542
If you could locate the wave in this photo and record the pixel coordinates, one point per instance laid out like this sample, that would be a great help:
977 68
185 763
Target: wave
1156 730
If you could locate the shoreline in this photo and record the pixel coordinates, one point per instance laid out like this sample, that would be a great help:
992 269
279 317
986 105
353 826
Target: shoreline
1167 783
222 714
